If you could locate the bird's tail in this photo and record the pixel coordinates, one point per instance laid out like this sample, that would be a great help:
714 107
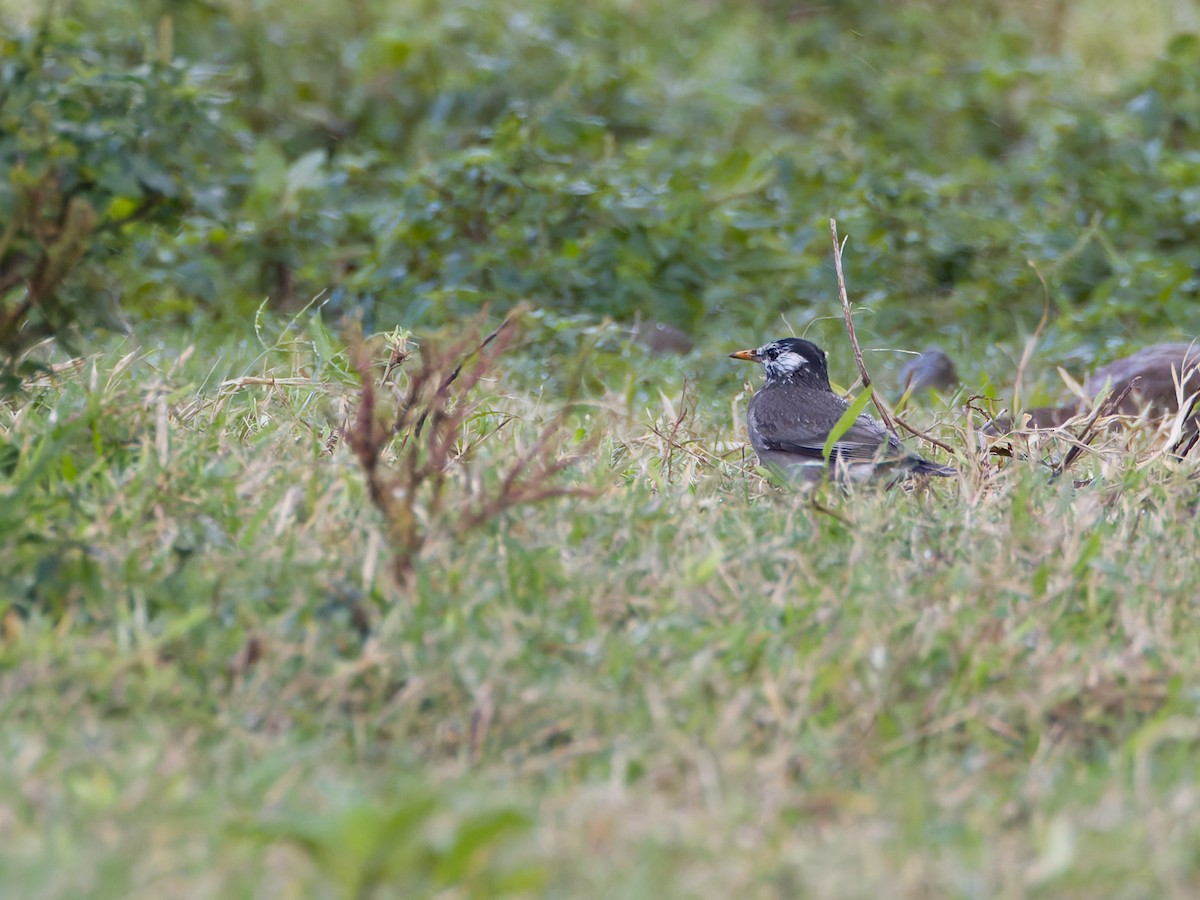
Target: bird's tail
920 466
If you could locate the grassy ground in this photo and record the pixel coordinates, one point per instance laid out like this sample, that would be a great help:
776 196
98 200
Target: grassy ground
236 660
686 682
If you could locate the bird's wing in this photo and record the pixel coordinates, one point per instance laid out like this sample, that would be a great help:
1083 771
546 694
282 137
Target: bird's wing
785 428
788 434
849 448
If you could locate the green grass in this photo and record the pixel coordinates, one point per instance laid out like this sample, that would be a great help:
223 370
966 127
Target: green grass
232 665
690 682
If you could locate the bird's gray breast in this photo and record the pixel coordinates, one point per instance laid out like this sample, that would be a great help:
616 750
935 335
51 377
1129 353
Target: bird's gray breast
792 414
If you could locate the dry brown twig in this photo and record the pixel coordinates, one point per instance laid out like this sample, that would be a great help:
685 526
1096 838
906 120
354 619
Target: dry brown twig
916 432
431 412
890 419
838 245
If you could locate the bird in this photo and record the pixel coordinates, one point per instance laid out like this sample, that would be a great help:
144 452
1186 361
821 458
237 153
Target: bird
1155 367
660 338
792 414
933 369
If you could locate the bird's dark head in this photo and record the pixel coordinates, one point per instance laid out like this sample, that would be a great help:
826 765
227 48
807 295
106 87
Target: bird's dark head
790 360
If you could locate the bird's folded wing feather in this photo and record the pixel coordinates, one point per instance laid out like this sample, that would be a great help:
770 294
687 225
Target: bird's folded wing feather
861 442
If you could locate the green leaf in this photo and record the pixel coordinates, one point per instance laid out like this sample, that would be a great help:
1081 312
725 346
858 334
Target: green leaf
270 179
304 174
477 834
843 424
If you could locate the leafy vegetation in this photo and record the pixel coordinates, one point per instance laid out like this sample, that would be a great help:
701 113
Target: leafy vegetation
90 146
288 610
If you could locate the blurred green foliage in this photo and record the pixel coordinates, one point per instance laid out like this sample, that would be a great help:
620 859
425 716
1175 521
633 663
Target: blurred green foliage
368 846
93 146
411 162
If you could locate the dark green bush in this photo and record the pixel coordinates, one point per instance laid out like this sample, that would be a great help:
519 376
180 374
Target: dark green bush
413 162
92 148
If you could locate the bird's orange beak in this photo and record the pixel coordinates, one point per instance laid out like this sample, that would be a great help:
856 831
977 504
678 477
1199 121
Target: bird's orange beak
751 355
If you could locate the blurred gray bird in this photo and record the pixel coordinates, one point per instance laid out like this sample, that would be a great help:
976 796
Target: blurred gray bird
1156 367
791 416
660 338
933 369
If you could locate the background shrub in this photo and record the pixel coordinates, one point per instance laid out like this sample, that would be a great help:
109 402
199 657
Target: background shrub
95 147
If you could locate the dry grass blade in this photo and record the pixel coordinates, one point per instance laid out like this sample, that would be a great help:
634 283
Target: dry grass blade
1088 434
1185 445
1032 342
1187 427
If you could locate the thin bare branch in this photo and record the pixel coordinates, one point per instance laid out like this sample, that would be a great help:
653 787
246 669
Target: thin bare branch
890 419
838 245
916 432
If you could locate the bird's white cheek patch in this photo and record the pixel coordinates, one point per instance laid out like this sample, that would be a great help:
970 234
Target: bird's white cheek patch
786 364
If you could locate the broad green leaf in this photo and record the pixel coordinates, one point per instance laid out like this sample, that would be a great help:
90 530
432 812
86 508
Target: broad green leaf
844 423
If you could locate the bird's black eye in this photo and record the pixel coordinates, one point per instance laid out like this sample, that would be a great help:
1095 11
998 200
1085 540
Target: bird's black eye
772 353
